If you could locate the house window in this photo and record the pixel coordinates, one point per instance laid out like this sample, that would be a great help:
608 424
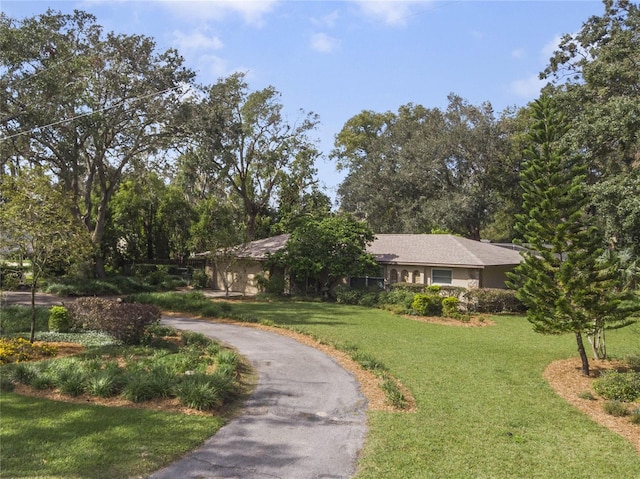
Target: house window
393 276
405 276
416 276
441 276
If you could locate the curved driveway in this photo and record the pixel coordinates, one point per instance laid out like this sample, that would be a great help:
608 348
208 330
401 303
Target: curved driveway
306 418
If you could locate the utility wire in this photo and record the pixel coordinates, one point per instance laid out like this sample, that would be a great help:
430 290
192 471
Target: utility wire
55 123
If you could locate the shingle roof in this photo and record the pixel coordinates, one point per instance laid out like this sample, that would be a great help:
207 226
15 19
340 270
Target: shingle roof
439 250
259 249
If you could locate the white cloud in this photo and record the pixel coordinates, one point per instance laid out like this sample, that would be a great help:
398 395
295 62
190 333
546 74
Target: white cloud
328 20
213 66
391 12
196 41
527 88
252 11
518 53
321 42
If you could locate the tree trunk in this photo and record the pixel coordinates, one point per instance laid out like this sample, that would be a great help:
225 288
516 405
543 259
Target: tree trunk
583 354
33 311
597 341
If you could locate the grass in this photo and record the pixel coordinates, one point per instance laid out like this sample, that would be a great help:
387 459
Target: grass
42 438
192 302
483 408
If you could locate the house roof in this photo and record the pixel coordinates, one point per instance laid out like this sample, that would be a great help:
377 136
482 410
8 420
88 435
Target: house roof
440 250
408 249
259 249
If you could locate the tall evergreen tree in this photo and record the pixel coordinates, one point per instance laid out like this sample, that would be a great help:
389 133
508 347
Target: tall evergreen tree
565 282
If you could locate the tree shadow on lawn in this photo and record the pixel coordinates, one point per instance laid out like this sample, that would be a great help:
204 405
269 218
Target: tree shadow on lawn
67 440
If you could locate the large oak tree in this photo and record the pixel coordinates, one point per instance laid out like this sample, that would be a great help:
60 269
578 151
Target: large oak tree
86 105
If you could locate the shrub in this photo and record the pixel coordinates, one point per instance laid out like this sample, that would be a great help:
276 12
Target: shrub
635 416
11 276
24 373
107 382
369 299
271 285
124 321
633 361
450 307
615 408
144 385
17 319
199 279
367 361
59 319
227 356
192 302
205 391
618 386
19 349
191 338
347 295
393 393
426 304
411 287
397 296
493 300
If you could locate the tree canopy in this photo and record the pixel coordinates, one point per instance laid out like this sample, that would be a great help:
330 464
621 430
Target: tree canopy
320 253
424 169
86 106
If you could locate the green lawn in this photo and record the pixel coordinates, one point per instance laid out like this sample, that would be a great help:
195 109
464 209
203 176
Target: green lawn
41 438
484 410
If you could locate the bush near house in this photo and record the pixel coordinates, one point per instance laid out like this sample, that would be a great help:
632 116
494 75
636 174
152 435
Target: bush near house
493 300
124 321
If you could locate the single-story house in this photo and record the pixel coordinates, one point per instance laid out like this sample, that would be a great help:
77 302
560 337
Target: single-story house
412 258
443 260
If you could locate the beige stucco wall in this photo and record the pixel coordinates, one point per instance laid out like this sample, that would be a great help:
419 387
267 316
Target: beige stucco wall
241 277
489 277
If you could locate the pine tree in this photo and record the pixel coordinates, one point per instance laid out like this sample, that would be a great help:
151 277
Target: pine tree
566 281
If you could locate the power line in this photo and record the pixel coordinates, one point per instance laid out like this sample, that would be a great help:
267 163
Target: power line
55 123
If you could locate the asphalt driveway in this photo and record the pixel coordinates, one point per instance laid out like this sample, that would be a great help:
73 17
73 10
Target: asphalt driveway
305 419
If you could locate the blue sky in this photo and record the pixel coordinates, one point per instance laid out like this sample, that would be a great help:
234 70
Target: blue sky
337 58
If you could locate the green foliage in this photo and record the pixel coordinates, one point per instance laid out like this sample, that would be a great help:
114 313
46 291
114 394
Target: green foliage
615 408
409 153
124 321
633 361
146 385
191 302
320 253
493 300
17 319
635 416
619 386
199 279
400 297
393 393
565 282
11 275
191 338
205 392
427 304
59 319
450 307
